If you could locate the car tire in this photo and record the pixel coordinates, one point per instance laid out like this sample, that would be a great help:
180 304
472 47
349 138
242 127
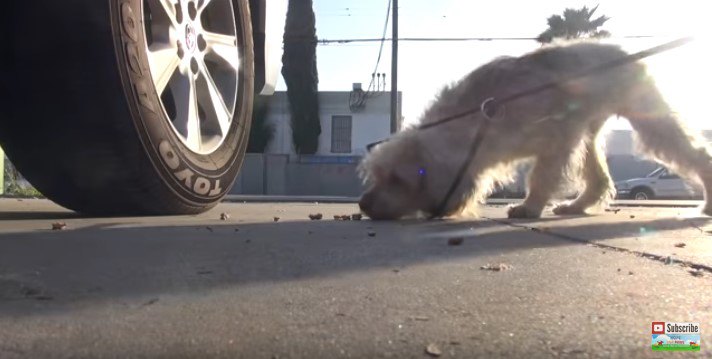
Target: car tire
641 194
129 107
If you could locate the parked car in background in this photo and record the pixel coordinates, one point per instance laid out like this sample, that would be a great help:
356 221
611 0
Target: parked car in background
661 183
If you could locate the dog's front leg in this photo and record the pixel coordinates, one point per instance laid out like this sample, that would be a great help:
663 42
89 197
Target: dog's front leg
599 185
543 182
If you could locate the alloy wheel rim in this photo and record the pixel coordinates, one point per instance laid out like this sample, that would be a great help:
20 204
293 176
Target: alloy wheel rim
194 60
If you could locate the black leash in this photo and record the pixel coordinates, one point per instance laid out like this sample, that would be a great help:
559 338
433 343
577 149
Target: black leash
490 106
606 66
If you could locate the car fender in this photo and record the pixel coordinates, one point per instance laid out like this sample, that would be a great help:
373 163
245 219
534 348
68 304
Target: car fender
268 20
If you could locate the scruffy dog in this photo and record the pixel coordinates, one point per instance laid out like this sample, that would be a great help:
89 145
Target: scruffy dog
557 128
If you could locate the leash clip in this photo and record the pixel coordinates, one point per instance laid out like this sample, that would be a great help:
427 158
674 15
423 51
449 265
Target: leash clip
488 108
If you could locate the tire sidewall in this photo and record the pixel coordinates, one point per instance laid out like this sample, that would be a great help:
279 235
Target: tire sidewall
197 179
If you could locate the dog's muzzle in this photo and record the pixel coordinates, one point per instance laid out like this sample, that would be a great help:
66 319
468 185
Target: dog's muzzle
366 202
369 205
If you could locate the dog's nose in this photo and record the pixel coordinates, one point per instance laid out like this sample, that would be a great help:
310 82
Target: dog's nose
366 202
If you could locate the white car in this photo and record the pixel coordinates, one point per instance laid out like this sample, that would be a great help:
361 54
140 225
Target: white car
134 107
660 183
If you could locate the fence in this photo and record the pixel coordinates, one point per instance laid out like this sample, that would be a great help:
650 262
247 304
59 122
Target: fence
289 175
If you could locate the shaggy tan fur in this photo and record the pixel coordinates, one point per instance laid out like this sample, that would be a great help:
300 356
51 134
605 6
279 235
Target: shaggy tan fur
557 129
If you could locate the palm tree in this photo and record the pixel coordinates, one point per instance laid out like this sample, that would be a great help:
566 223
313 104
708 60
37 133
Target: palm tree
300 74
574 24
261 132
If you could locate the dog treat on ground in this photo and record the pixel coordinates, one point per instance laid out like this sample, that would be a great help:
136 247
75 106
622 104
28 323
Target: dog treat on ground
413 170
276 219
455 241
316 217
337 217
224 216
696 272
433 350
357 216
680 245
496 267
59 226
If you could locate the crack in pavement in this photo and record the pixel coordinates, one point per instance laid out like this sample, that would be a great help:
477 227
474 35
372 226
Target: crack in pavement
652 256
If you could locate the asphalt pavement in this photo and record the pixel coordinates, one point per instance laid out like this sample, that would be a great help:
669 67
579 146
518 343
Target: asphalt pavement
237 282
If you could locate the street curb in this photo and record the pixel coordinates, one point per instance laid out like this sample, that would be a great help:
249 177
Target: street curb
289 199
491 201
618 203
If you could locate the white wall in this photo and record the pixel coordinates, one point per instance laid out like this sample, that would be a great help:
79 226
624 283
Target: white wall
619 142
369 124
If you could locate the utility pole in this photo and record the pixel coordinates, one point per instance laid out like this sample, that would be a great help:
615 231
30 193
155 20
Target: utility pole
394 70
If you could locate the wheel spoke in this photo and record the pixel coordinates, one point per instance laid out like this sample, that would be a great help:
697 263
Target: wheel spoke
194 138
216 101
224 46
163 61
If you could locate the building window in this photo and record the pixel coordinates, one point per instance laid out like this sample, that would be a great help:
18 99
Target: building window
340 134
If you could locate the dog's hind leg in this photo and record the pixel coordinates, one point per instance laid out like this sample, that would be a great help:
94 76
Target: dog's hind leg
662 135
599 185
543 183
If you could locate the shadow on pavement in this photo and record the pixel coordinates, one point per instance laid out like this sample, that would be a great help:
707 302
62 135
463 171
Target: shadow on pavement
23 215
60 271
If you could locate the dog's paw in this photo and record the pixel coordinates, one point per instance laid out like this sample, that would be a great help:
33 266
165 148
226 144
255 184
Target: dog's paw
568 210
521 211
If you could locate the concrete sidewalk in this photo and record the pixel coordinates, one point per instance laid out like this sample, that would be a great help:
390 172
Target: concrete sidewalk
198 286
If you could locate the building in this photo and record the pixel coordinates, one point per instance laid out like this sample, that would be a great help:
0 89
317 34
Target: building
350 120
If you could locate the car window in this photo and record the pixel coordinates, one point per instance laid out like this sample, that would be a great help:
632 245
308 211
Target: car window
658 171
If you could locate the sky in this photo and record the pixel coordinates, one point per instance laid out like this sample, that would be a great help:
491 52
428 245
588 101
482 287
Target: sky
684 75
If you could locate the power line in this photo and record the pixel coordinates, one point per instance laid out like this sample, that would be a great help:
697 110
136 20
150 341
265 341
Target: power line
451 39
458 39
383 41
361 97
